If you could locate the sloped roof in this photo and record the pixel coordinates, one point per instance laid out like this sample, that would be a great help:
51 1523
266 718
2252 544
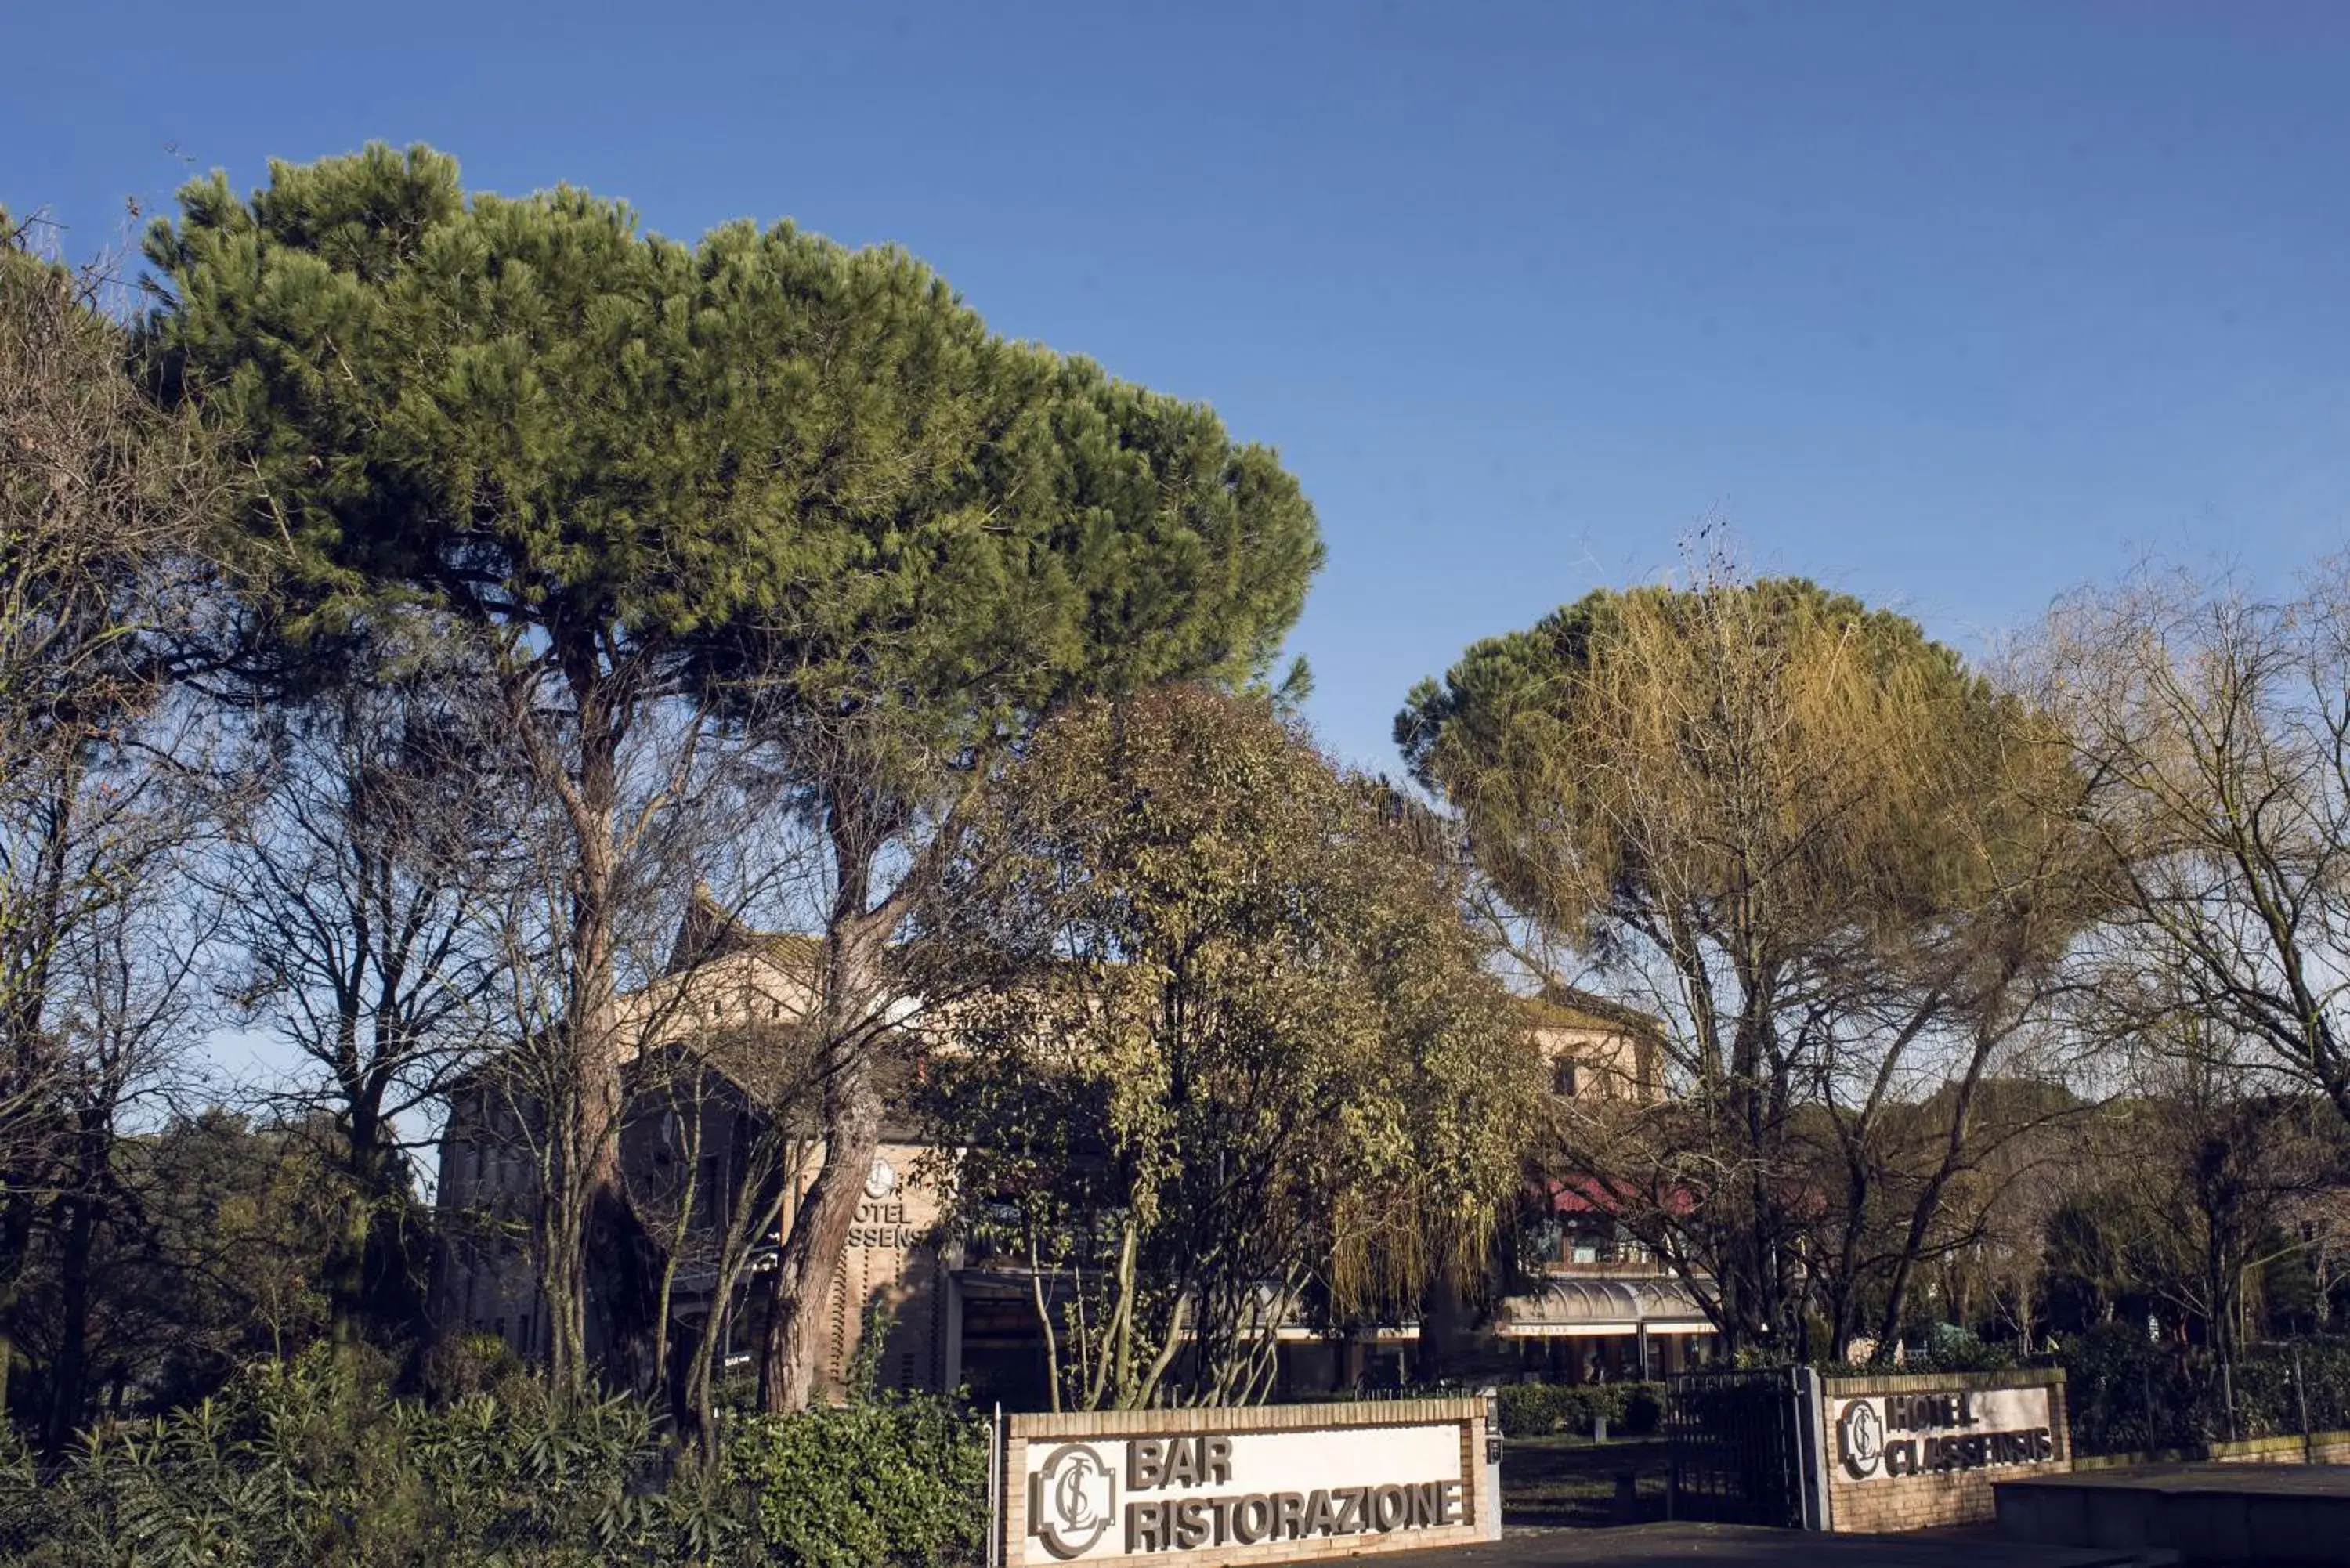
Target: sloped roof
1571 1007
1587 1195
711 930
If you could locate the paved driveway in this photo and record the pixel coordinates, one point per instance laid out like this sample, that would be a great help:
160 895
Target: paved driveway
1739 1546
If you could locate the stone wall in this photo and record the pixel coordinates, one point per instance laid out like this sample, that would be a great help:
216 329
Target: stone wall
1933 1495
1328 1429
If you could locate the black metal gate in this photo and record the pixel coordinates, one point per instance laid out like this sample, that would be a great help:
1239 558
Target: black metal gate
1740 1444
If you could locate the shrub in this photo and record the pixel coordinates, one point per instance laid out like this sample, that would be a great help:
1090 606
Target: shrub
897 1481
1950 1347
2127 1393
311 1463
1532 1409
2268 1404
2124 1393
1545 1410
1946 1347
463 1366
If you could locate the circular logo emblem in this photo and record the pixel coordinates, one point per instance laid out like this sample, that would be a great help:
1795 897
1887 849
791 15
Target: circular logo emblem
1074 1499
881 1180
1860 1434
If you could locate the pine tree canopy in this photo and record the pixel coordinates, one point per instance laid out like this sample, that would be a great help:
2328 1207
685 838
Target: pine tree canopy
765 450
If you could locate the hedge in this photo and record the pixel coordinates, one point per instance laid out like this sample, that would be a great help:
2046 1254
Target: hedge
1547 1409
2127 1393
901 1481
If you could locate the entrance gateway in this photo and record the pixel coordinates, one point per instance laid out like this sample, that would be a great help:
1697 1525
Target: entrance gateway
1273 1483
1896 1452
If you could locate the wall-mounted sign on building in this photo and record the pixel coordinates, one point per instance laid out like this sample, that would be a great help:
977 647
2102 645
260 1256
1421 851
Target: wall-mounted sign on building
1205 1487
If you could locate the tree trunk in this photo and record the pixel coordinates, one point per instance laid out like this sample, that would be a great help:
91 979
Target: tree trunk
76 1235
39 1125
68 1368
1954 1143
597 1252
15 1246
589 1023
347 1301
789 1377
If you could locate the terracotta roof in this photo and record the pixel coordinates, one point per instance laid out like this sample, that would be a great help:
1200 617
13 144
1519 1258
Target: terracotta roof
1586 1195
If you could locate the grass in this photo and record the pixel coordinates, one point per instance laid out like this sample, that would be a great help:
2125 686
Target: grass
1549 1484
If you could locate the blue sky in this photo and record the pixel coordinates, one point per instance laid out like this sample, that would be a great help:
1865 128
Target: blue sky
1955 306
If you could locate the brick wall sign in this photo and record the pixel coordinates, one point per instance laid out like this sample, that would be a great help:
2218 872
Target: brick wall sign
1276 1484
1910 1450
1885 1437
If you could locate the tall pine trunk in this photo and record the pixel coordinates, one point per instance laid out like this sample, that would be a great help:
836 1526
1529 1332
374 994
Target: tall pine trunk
855 950
590 1247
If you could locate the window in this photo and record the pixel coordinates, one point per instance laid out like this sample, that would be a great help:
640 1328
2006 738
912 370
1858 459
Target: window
1563 1077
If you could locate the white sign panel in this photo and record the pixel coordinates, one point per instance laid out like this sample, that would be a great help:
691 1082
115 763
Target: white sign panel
1885 1437
1151 1496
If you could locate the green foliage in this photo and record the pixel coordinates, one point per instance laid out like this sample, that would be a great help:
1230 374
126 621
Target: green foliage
464 1366
864 1377
310 1462
893 1482
1946 1347
765 454
2127 1393
1242 1039
1823 849
1950 1347
1548 1410
800 484
216 1259
2267 1401
1551 740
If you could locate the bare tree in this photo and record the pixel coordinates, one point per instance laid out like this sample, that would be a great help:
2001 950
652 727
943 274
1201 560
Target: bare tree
102 502
2233 1145
2213 729
365 867
123 996
714 1028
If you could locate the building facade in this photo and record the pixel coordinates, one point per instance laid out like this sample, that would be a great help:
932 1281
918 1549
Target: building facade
911 1307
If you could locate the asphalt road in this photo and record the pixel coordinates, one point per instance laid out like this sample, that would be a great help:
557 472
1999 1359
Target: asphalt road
1741 1546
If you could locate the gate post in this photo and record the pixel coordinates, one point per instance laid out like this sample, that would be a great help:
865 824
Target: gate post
1812 1447
1489 1497
998 1549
